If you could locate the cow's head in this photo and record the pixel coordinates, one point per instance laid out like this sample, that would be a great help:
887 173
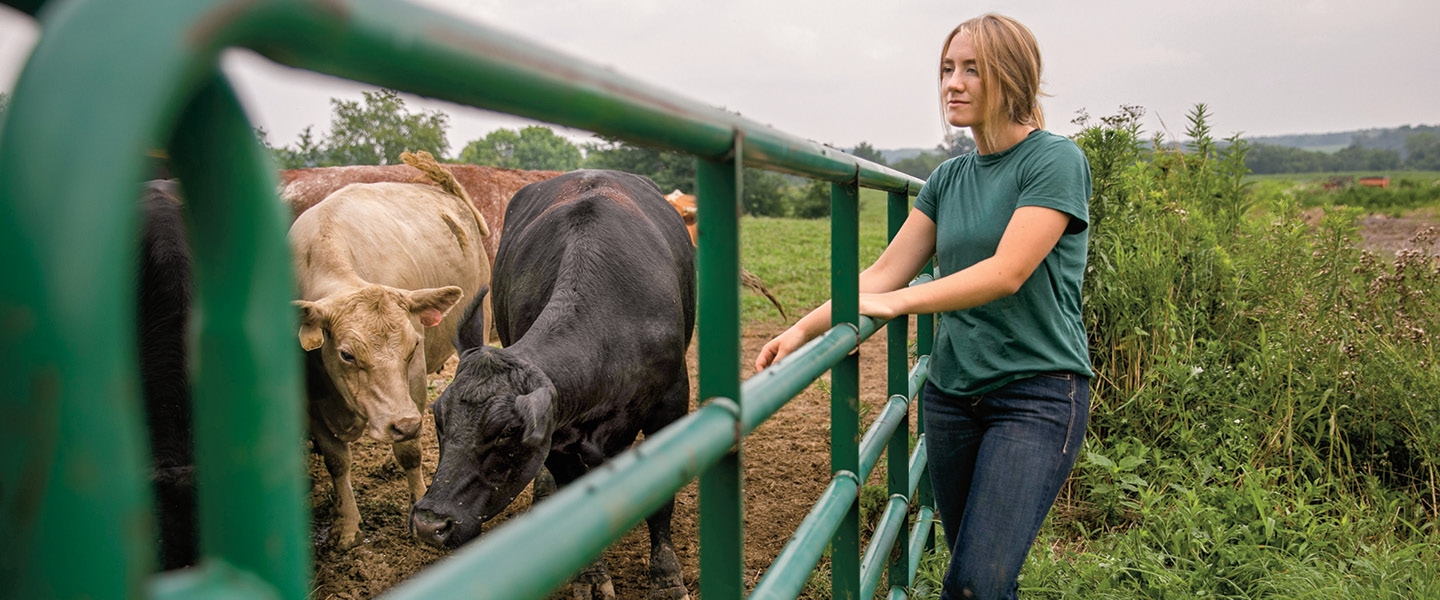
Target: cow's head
494 423
372 343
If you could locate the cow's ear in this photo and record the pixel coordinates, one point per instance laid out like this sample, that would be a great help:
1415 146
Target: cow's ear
472 332
312 325
537 412
432 304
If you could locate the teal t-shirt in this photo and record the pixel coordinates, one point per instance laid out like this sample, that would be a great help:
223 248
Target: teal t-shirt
1038 329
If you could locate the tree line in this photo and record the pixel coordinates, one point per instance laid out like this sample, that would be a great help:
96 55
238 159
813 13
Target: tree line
376 129
1420 153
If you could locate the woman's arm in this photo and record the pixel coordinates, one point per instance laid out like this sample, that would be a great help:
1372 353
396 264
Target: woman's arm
903 258
1028 238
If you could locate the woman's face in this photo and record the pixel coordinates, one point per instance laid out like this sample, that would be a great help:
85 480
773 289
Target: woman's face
960 83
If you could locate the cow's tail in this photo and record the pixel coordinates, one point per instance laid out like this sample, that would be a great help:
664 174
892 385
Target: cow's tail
750 280
433 172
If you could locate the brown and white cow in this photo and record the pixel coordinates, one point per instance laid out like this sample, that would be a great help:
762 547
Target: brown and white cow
379 268
489 188
684 204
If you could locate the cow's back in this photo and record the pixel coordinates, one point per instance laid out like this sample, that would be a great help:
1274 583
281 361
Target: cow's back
489 188
401 235
609 238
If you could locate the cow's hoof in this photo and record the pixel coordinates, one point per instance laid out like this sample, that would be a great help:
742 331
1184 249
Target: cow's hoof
593 591
347 539
670 593
593 583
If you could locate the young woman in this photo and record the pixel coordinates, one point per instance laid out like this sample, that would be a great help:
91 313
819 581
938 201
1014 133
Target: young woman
1008 398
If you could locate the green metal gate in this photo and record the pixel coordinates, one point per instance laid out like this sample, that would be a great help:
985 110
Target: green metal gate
110 79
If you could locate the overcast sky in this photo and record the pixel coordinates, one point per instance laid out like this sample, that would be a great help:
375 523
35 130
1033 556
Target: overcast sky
843 71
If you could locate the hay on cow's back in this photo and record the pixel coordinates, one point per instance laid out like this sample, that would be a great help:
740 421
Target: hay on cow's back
433 172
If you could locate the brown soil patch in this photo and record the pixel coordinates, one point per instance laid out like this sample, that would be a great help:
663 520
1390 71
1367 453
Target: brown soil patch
1386 235
786 468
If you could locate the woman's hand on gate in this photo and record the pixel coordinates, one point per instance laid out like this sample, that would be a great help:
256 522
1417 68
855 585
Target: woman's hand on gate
782 345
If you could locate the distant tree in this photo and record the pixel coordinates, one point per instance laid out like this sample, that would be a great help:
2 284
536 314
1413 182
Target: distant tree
1422 151
1357 158
308 151
811 200
533 148
923 164
1268 158
767 193
960 143
377 131
866 151
4 103
668 170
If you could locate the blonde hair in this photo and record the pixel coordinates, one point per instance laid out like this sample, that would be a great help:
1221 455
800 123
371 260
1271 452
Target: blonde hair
1008 59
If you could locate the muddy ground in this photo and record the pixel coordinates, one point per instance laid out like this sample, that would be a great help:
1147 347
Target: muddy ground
787 467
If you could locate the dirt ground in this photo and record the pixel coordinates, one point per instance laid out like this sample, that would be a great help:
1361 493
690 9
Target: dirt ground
1385 235
786 468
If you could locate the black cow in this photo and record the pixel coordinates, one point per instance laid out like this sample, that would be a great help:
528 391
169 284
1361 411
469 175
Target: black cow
163 307
594 301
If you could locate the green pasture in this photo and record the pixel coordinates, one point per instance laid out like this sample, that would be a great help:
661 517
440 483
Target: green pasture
792 256
1320 177
1266 410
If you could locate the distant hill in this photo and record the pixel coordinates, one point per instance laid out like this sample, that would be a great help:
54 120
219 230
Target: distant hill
1392 138
899 154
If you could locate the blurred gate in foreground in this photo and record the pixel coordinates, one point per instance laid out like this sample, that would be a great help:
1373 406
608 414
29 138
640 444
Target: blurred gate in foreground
109 80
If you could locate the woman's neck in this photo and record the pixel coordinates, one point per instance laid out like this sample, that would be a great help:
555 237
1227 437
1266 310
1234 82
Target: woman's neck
1009 134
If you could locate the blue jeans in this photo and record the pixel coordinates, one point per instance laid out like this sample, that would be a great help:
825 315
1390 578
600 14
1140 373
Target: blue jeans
997 461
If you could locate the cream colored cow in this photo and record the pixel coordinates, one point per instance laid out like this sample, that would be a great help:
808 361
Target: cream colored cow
380 266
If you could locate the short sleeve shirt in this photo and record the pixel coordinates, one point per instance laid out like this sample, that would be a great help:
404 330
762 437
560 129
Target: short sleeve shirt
1039 328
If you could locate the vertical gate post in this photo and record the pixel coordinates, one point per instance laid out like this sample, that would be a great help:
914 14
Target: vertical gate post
722 510
845 381
897 336
249 438
75 509
924 343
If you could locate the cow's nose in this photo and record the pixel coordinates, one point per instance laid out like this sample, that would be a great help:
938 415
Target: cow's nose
431 528
404 429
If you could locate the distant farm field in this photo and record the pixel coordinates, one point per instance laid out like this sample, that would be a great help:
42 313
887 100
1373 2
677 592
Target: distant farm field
1308 177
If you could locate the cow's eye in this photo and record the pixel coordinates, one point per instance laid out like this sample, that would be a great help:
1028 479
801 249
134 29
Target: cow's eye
347 357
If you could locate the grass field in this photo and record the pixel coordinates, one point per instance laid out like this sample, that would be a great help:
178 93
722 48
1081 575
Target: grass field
1309 177
792 256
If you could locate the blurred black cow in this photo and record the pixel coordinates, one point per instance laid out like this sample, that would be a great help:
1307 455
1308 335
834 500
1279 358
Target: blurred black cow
163 308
